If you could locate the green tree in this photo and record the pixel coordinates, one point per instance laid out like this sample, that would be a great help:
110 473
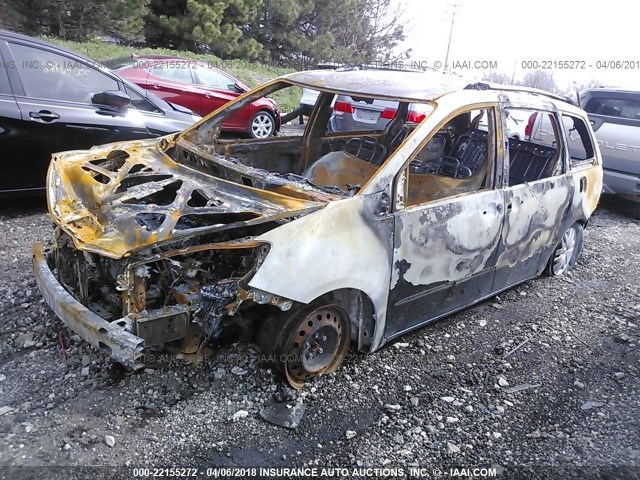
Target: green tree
345 31
213 26
383 31
79 20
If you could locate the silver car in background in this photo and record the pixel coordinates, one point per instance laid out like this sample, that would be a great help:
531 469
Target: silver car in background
354 114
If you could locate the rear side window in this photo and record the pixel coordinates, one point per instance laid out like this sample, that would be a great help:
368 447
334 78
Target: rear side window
51 76
213 79
578 141
534 153
175 73
614 107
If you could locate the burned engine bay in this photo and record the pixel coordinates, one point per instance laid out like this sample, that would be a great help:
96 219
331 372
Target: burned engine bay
160 249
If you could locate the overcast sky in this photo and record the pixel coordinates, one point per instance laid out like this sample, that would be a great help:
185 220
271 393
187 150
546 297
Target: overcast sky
510 32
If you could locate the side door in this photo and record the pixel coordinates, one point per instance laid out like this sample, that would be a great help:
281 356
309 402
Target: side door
173 82
14 139
447 229
537 196
54 93
218 89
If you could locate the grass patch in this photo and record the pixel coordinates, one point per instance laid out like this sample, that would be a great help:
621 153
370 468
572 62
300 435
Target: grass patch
250 73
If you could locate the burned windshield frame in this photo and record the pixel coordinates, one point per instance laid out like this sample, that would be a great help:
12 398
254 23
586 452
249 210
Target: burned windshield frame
340 163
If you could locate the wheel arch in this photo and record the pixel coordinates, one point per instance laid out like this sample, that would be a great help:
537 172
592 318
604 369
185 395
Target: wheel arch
581 223
361 312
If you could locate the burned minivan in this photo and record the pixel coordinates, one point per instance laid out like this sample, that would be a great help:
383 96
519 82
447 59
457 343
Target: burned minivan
315 240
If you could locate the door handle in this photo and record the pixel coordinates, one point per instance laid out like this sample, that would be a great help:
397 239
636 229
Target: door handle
583 184
155 85
44 116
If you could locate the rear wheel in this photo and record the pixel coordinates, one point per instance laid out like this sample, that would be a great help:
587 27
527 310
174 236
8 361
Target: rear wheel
313 341
566 253
262 125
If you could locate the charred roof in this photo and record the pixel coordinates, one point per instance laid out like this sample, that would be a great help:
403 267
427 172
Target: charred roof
410 85
392 84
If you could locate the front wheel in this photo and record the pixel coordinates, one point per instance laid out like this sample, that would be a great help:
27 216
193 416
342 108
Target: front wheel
566 253
262 125
313 341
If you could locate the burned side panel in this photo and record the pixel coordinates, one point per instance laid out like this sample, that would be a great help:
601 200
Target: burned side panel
586 188
341 246
537 214
443 252
587 195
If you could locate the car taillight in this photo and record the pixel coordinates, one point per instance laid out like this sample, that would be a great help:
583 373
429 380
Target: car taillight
415 117
388 113
528 130
345 107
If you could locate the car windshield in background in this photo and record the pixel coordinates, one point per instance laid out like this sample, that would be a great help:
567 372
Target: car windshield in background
116 63
334 154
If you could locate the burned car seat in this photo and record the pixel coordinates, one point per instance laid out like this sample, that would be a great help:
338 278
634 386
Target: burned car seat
529 162
464 159
350 168
434 175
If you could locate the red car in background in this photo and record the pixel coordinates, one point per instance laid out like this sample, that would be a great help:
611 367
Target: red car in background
201 88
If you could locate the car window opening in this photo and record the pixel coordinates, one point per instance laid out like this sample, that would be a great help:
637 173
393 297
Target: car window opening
581 150
320 157
538 156
455 160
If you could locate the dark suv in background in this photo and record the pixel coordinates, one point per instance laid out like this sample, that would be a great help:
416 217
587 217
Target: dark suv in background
53 100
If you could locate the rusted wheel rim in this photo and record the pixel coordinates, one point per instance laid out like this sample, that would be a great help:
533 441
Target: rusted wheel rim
317 344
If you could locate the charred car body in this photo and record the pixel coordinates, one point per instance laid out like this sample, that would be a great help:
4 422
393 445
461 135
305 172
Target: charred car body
315 241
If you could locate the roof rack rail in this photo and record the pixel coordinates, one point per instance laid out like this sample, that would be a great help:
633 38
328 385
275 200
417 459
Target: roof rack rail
514 88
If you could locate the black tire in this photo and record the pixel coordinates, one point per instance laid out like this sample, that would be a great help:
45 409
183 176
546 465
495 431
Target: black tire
262 124
566 253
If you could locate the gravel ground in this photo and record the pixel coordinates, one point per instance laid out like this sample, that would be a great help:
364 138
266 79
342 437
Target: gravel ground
442 396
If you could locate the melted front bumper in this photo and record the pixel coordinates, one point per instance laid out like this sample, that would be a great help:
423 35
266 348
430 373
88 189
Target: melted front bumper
113 338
